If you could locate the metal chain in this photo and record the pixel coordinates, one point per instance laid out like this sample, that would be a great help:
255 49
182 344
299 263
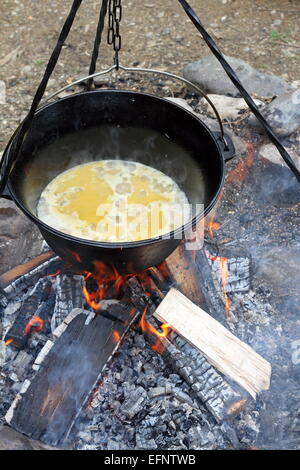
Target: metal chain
113 34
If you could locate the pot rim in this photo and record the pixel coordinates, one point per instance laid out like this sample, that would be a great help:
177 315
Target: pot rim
131 244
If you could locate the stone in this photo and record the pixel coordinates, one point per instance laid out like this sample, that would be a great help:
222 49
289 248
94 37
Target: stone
181 102
270 153
13 440
229 108
26 71
279 269
19 238
209 75
2 92
213 125
282 114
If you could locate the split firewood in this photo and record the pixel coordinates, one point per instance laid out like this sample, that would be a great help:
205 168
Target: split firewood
191 274
46 408
222 349
180 269
224 400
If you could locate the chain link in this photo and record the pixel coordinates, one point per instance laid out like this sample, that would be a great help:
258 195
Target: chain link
113 33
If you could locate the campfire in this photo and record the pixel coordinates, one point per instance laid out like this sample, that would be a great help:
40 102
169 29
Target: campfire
106 346
75 322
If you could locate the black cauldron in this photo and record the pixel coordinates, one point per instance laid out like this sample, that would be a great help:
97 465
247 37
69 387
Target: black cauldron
125 125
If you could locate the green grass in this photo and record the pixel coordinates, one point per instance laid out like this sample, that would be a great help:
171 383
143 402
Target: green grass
277 36
38 62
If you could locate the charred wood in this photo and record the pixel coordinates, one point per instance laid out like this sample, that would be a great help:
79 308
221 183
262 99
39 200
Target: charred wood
27 279
28 319
47 407
180 271
68 296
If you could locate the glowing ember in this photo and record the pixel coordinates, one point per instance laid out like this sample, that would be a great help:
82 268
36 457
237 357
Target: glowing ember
35 324
55 274
212 226
116 336
9 341
223 270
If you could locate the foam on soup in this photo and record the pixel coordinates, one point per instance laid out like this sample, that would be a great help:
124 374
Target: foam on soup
113 201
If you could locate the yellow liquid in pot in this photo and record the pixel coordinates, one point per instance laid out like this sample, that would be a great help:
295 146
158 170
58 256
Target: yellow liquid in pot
113 201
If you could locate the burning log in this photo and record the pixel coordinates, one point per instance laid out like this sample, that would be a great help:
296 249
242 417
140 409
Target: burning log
180 270
222 349
32 314
18 279
223 399
46 408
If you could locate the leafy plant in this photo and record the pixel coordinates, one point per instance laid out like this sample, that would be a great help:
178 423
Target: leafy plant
277 36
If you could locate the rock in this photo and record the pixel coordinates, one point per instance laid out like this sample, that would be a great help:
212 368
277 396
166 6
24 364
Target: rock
26 71
52 83
277 186
19 238
181 102
13 440
212 124
2 92
229 108
279 269
295 84
270 153
283 114
209 75
102 80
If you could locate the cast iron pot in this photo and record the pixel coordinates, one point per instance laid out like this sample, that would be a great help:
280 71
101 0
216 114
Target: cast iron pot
110 124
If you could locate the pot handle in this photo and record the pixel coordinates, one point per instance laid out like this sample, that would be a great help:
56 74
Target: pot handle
191 85
6 194
227 149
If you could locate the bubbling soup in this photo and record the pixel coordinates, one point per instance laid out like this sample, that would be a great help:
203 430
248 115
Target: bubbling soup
113 201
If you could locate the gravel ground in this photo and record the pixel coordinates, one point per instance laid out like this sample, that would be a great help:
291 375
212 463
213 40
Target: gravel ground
264 33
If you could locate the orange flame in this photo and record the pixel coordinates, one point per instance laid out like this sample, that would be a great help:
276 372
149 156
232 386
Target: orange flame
105 277
224 274
55 274
9 341
149 329
35 323
240 172
116 336
212 227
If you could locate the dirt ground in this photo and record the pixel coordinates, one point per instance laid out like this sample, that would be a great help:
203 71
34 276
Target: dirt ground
155 33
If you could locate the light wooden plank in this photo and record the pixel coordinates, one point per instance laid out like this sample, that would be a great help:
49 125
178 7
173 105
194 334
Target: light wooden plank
222 349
